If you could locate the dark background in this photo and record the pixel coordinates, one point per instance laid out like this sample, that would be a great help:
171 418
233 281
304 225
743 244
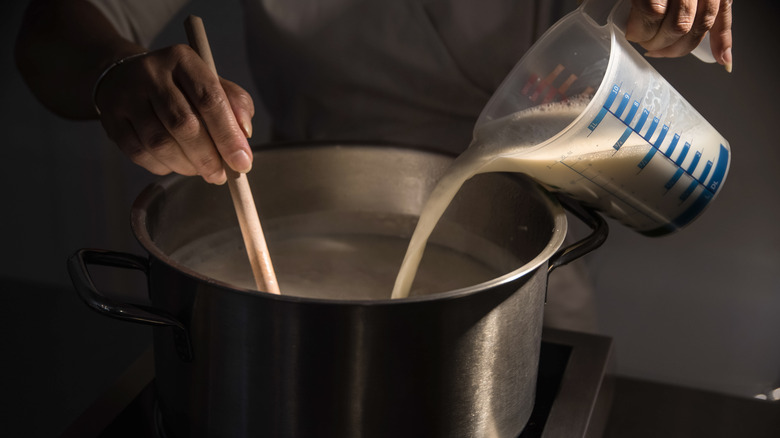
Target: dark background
698 309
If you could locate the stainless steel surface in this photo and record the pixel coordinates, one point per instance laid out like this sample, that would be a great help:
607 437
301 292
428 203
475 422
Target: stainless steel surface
460 363
572 397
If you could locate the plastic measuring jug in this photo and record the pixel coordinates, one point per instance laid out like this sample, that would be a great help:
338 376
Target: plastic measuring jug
638 151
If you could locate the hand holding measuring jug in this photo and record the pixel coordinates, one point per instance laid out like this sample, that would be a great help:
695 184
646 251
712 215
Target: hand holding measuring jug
626 142
676 27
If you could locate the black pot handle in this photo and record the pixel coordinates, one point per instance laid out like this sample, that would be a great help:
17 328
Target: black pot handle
585 245
82 281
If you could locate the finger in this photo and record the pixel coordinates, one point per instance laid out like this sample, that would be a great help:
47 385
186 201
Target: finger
242 104
645 19
212 105
156 140
123 135
720 35
184 126
677 23
679 45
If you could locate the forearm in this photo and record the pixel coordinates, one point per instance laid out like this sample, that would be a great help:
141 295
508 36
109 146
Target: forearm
61 50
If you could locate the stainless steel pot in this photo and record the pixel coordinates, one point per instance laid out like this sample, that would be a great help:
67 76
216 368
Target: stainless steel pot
234 362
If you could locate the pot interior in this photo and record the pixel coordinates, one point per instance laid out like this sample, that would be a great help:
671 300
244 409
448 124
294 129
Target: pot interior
337 219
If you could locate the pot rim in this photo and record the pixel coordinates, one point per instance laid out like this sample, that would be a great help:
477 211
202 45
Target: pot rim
139 218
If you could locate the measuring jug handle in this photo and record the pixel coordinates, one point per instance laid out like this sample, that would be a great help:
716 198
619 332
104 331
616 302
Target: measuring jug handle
585 245
601 11
704 51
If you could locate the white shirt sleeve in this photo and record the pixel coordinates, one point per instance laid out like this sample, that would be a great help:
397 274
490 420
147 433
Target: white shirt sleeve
139 20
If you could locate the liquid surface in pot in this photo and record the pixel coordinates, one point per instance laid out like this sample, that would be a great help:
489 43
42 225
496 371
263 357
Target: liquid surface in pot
339 266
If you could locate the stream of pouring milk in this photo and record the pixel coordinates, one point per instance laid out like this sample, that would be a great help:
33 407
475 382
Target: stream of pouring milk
504 145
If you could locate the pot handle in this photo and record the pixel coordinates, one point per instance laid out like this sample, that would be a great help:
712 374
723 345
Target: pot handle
585 245
82 281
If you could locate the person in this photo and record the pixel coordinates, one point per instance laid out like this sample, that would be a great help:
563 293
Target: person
408 72
354 69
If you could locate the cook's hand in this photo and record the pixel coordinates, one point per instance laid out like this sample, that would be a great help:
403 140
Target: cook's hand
670 28
169 113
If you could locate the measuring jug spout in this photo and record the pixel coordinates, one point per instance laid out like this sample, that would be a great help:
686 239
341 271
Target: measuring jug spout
585 114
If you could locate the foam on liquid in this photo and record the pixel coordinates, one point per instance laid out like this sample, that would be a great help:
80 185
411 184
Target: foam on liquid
337 266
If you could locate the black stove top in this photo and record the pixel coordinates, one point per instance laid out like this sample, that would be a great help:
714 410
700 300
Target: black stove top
573 394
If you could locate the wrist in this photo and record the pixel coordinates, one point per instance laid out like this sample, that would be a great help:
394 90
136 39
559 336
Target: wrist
106 71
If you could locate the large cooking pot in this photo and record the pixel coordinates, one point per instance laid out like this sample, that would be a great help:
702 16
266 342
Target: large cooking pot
233 362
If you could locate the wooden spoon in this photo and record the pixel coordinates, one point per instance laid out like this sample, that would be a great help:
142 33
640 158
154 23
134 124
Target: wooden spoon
248 221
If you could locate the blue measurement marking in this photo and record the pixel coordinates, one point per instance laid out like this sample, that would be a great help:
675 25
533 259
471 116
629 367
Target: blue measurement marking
683 154
717 175
632 112
623 138
709 191
651 129
720 170
688 215
598 119
674 179
642 120
704 198
689 190
706 171
612 95
604 109
647 158
623 105
661 136
695 162
673 145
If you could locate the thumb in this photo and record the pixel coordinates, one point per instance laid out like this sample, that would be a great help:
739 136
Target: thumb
720 35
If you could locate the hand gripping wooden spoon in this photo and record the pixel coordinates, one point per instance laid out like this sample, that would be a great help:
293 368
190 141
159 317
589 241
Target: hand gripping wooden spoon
244 203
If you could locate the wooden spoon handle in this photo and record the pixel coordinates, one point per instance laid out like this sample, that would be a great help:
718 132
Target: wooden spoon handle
244 203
